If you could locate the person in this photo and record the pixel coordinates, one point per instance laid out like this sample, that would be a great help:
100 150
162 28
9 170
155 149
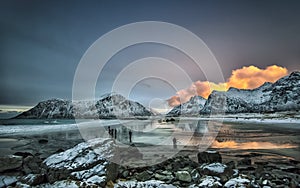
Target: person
174 143
130 136
112 133
115 133
109 131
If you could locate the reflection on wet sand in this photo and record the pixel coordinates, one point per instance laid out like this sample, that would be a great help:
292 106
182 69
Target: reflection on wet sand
250 145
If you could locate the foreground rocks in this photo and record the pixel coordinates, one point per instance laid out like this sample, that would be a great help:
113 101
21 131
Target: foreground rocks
88 161
89 164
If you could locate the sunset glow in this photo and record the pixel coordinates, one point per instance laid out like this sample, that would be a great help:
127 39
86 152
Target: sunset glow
245 78
250 145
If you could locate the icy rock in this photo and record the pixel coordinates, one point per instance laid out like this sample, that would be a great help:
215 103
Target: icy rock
33 179
149 184
7 180
183 176
97 180
83 161
217 169
238 182
209 157
10 162
210 181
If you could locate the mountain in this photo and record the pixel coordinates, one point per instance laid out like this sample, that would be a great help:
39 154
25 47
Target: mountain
283 95
109 106
192 107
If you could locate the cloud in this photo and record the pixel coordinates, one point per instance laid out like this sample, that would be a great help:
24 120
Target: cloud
252 77
245 78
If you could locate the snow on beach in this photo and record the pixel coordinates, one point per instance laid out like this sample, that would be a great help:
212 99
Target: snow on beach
47 128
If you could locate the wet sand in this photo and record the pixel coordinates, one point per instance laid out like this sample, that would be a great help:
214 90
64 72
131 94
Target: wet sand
233 141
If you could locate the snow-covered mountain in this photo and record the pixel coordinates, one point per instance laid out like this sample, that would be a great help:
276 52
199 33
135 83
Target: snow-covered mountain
283 95
109 106
192 107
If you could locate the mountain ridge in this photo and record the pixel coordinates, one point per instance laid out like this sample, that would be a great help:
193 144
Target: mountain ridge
282 95
110 106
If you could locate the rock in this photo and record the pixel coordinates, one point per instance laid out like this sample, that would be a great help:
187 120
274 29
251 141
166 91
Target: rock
125 174
245 161
143 176
195 175
209 157
217 169
33 179
149 183
183 176
10 162
131 153
231 164
210 181
43 141
84 161
7 180
31 165
97 180
237 182
164 176
23 154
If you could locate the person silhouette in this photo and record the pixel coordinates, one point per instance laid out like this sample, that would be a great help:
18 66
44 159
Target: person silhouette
115 133
130 136
174 143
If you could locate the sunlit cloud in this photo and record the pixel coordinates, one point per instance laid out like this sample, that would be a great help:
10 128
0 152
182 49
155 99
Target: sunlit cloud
252 77
245 78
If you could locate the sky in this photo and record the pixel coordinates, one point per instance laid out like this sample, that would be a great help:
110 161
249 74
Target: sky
42 43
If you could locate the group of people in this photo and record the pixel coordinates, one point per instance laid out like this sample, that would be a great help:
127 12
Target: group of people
113 133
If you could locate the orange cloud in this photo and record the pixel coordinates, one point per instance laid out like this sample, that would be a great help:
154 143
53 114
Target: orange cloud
245 78
252 77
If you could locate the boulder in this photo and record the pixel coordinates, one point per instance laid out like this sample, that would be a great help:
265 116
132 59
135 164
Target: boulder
31 165
245 161
132 153
164 176
149 183
209 157
10 162
33 179
7 180
210 181
237 182
183 176
143 176
217 169
83 162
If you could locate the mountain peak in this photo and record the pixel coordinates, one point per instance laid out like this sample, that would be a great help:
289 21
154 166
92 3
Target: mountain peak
111 105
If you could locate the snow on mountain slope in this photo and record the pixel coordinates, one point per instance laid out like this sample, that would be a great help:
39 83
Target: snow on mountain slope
109 106
192 107
283 95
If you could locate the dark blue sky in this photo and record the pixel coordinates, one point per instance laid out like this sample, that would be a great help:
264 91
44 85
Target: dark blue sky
42 42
